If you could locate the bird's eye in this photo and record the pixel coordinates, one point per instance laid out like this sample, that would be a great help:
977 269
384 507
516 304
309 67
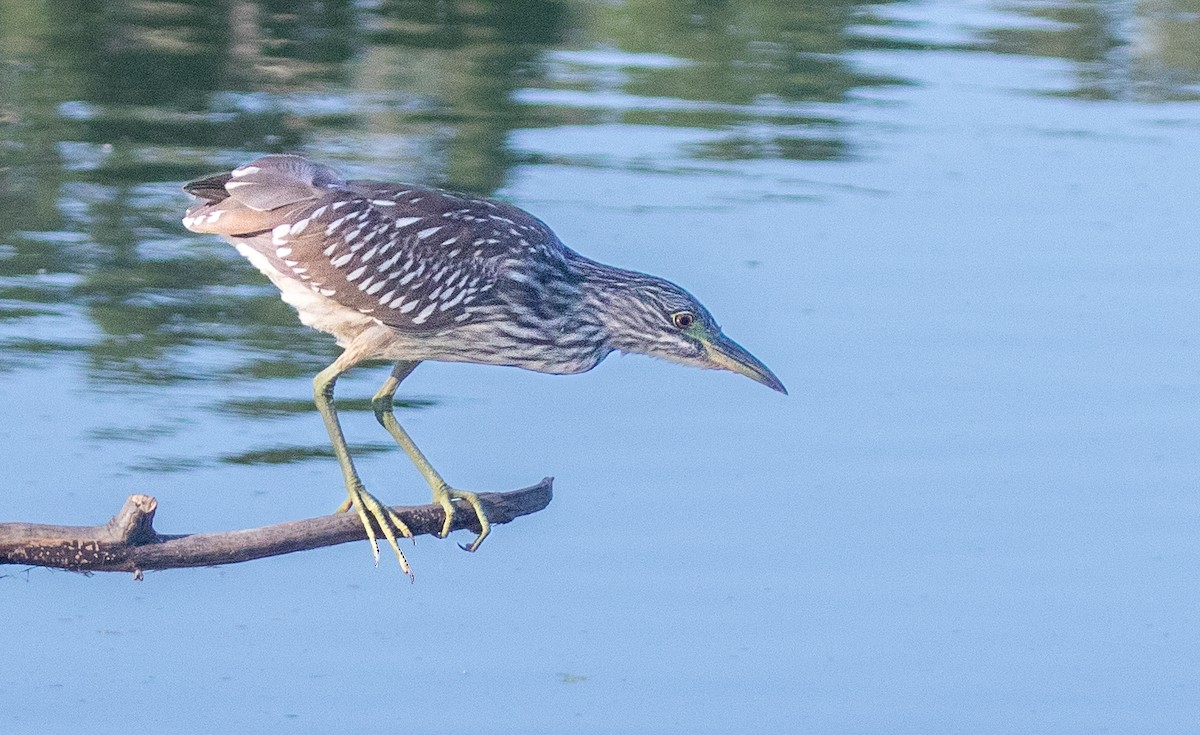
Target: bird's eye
683 319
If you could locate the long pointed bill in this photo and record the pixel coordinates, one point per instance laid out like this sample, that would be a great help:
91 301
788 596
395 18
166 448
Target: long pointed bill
726 354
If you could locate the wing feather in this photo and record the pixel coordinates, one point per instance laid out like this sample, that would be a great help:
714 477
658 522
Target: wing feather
415 258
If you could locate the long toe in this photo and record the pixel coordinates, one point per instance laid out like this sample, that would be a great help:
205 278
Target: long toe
445 496
485 527
375 514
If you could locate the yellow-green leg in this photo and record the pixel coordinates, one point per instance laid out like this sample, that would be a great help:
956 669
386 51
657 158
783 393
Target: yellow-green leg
443 494
370 510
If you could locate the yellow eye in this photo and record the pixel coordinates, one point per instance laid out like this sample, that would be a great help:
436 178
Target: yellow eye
683 319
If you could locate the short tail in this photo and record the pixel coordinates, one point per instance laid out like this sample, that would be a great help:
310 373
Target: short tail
240 201
209 188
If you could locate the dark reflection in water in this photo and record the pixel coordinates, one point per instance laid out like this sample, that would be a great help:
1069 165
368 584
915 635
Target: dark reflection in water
275 408
106 107
1142 51
272 455
291 454
741 68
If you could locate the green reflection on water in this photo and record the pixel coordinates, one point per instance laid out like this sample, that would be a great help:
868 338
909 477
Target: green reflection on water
276 408
105 108
293 454
1148 50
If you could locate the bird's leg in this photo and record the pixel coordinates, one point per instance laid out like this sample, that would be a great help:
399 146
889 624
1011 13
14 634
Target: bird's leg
443 494
368 507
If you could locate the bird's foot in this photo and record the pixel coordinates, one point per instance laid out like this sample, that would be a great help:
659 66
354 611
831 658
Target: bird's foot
445 497
374 513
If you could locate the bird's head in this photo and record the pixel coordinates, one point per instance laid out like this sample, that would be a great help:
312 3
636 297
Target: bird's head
655 317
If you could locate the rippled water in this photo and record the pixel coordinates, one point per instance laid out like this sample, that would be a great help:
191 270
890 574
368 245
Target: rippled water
961 233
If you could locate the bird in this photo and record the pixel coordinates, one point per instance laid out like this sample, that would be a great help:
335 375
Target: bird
408 273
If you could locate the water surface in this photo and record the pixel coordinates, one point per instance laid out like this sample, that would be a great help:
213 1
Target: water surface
962 234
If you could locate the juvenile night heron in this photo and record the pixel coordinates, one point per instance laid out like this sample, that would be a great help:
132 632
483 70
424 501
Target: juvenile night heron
407 273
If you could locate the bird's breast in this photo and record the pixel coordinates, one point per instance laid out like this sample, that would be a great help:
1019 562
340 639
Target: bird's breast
314 310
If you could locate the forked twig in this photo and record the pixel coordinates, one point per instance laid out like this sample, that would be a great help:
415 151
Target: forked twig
129 543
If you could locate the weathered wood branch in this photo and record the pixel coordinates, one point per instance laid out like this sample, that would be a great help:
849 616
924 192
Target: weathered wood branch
129 543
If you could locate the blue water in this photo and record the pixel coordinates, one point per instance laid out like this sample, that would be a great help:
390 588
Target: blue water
962 235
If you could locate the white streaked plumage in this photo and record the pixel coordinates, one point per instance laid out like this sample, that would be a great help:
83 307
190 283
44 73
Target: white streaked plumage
444 276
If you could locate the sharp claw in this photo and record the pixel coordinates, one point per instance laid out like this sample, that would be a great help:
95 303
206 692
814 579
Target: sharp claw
370 509
473 546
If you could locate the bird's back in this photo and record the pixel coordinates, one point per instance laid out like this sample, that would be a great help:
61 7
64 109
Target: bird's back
414 258
454 277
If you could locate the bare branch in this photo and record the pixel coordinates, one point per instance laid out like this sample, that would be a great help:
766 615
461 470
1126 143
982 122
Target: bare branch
129 543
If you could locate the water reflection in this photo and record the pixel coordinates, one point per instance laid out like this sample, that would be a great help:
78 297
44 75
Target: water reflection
751 70
259 409
1148 50
106 108
109 106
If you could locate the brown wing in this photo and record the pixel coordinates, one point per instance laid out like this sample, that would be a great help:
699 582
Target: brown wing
417 259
